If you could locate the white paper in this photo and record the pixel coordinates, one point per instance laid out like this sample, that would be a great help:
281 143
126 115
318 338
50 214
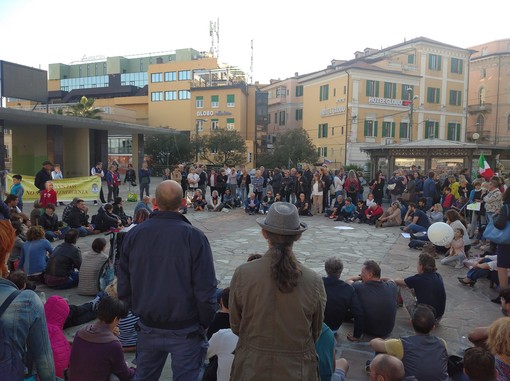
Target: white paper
406 235
344 228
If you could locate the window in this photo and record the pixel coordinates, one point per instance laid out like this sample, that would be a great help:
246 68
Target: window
482 94
215 124
299 91
199 102
322 131
372 89
324 93
141 64
170 95
157 96
432 95
370 128
483 72
275 117
281 120
184 94
456 65
299 114
407 92
156 77
390 90
215 101
199 124
404 130
431 129
480 122
434 62
230 124
388 130
170 76
410 59
322 151
268 118
231 100
184 75
453 131
455 97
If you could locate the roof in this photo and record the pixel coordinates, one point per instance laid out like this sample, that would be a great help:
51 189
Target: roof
14 117
427 144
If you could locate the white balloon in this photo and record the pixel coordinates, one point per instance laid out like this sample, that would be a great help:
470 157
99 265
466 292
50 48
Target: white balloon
440 234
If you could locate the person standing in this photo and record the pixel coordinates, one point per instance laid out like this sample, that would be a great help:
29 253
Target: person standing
176 299
277 306
113 182
98 171
130 175
43 175
144 175
48 195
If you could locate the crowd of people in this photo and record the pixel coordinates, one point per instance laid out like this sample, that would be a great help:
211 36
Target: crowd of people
276 312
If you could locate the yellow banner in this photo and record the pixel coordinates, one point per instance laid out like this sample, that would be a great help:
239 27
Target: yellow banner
86 188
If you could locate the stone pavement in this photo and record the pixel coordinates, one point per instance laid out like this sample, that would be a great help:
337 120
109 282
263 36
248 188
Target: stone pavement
235 235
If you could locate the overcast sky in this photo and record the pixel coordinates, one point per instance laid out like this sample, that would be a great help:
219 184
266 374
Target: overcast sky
287 36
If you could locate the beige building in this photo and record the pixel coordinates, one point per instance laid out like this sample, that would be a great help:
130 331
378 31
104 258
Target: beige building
489 93
411 91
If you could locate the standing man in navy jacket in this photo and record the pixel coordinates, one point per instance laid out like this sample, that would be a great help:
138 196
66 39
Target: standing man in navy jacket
167 277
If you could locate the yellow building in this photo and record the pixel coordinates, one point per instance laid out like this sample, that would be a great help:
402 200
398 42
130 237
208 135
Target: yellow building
411 91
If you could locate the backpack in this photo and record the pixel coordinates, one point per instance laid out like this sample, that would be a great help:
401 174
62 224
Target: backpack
352 187
11 363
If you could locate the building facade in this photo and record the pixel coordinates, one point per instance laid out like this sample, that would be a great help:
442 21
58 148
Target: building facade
411 91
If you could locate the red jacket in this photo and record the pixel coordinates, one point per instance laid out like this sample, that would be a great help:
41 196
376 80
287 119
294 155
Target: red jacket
448 201
48 197
371 212
56 310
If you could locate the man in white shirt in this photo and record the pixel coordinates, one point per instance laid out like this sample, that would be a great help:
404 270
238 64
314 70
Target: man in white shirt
222 344
98 171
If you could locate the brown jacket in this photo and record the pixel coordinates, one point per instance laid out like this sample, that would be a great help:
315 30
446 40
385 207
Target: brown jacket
277 331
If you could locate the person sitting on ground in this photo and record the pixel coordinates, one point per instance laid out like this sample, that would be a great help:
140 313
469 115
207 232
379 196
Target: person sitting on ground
277 197
386 368
486 267
422 204
48 195
413 349
222 345
347 211
325 348
359 212
98 344
64 263
337 206
78 219
498 344
373 213
342 301
457 221
267 201
50 224
34 254
448 198
435 214
140 216
378 297
215 204
302 205
229 200
418 220
479 365
370 200
67 210
391 217
118 210
106 220
143 204
455 253
18 245
425 287
90 270
198 201
251 204
36 213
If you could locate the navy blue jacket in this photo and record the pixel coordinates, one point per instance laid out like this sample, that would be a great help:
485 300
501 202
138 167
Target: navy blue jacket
166 273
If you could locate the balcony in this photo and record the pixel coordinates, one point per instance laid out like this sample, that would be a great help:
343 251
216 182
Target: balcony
486 107
485 135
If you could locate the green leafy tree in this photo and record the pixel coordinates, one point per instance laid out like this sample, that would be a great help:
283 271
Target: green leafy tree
290 147
222 146
85 109
168 149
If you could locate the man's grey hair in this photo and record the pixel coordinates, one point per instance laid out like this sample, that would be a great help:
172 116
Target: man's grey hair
334 267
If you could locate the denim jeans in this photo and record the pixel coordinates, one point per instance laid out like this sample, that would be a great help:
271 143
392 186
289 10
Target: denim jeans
455 258
414 228
144 187
187 347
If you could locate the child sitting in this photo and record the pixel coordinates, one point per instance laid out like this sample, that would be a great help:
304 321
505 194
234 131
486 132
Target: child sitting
456 252
359 212
347 211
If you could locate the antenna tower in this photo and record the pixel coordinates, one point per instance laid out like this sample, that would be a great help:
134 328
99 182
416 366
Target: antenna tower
214 32
251 64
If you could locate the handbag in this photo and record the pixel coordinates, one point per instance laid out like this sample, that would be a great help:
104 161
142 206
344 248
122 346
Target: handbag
499 237
391 186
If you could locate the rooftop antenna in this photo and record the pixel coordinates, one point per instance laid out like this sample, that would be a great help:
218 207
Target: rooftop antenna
214 32
251 64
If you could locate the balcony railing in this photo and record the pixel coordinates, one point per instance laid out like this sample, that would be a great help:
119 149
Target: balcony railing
486 107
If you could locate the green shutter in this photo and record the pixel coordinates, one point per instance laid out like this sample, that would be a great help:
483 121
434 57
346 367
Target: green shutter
437 97
231 98
325 132
450 134
375 128
394 86
430 64
427 129
403 132
200 98
215 98
385 129
230 120
319 131
366 127
386 92
452 97
436 130
458 132
461 62
439 59
392 129
367 90
377 88
297 116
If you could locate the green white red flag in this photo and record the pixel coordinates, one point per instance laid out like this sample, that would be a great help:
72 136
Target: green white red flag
484 168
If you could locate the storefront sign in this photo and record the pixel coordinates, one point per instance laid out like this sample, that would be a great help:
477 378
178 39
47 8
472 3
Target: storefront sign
386 101
333 111
205 113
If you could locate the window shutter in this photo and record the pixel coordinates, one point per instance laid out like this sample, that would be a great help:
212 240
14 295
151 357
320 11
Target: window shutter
403 132
452 97
231 120
366 127
325 151
394 86
199 98
231 98
384 129
430 61
427 129
461 62
436 130
375 128
297 115
325 132
215 98
392 129
377 88
458 131
439 59
319 131
450 131
367 90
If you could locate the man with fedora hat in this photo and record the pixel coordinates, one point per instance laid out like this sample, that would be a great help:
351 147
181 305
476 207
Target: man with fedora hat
277 306
43 175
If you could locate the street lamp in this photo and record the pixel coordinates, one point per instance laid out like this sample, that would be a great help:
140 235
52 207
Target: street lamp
411 99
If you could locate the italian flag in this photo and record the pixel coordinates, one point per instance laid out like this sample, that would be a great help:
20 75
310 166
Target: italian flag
484 169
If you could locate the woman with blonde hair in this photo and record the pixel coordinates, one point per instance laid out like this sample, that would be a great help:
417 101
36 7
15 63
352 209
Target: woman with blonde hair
499 345
391 217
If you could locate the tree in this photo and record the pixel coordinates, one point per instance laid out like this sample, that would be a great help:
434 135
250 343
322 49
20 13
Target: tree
290 147
169 149
222 146
85 109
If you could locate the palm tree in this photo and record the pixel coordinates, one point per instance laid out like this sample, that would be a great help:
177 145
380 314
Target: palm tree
85 109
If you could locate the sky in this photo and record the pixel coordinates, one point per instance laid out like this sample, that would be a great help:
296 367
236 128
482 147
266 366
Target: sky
288 36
